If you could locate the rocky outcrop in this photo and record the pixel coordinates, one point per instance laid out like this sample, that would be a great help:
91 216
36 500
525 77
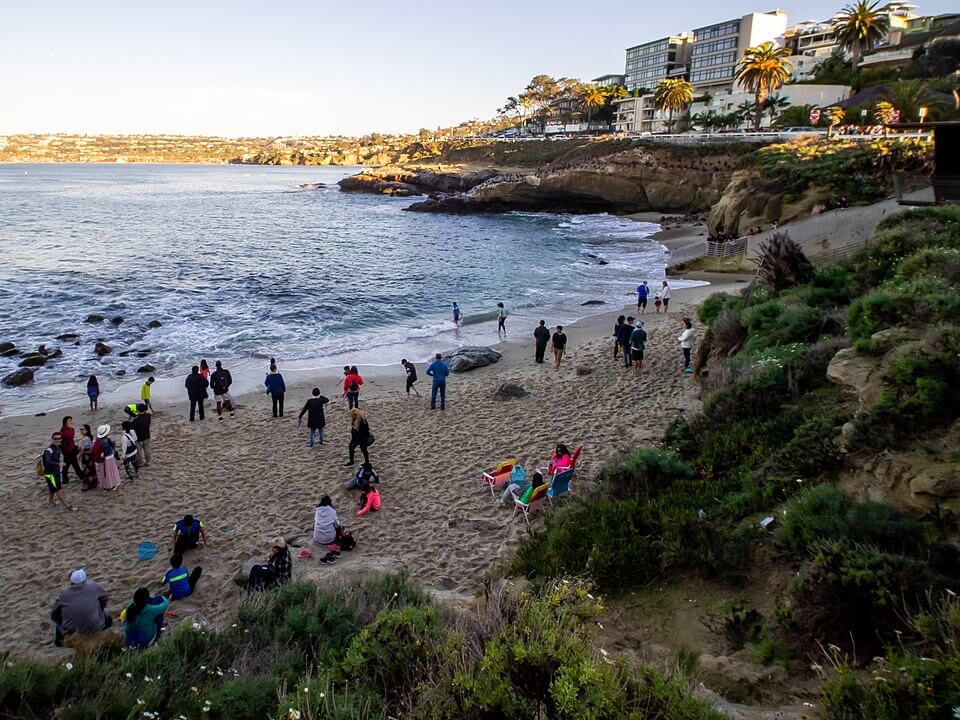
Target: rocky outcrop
18 377
8 349
33 360
470 358
94 318
102 349
404 182
509 391
641 178
148 368
750 200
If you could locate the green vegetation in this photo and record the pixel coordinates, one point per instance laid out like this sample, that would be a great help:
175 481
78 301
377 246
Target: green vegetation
376 650
763 69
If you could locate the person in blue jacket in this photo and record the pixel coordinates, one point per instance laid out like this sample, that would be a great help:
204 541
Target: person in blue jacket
275 389
438 370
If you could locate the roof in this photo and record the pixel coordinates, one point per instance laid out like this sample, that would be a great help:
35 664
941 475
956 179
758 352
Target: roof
878 92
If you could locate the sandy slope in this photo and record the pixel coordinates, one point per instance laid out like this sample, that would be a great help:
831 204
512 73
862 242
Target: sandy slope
253 478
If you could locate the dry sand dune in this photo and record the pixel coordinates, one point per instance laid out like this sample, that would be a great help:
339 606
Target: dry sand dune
253 478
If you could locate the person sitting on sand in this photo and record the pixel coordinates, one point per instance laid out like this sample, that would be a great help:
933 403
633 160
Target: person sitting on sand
51 472
80 608
369 501
326 526
316 420
364 478
143 619
181 581
411 370
276 571
188 534
360 436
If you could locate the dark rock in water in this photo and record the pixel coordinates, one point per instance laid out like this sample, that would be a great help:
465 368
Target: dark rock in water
124 353
311 186
154 324
509 391
18 377
584 370
593 302
9 353
66 337
118 320
42 350
94 318
6 347
143 353
40 414
470 358
102 349
602 262
148 368
120 372
33 360
55 353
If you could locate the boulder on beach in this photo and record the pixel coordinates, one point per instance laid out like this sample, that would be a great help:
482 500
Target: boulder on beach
509 391
33 360
55 353
148 368
154 324
102 349
593 302
143 353
67 337
94 318
583 370
470 358
7 349
118 320
18 377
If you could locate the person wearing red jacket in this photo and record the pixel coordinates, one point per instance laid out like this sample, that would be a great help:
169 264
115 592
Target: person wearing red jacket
351 387
71 453
370 500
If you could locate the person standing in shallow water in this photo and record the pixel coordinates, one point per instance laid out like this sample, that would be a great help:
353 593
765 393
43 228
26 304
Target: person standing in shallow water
276 388
542 336
501 319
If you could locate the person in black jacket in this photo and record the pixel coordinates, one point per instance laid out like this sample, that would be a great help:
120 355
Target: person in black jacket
360 435
316 421
220 383
626 330
196 385
141 426
542 336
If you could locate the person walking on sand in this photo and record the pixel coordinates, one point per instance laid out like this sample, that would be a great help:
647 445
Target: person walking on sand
686 338
501 319
316 421
145 391
93 392
542 336
638 344
360 436
141 426
643 291
351 387
626 330
438 370
104 454
276 388
411 371
69 449
220 383
665 296
86 459
196 385
51 459
559 346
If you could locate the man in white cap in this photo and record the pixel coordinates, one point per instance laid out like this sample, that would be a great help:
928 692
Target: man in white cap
80 608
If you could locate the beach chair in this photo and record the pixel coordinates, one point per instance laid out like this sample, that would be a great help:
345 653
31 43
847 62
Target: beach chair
560 485
528 507
576 456
496 476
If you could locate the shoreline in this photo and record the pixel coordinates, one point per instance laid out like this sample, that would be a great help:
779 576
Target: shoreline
253 477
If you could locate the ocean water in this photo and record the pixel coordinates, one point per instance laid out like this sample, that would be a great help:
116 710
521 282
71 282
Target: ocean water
239 263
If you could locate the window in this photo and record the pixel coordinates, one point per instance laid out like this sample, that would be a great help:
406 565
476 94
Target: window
715 46
730 28
727 58
701 76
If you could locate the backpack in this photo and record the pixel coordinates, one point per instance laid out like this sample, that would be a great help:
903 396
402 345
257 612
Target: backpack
346 541
354 387
41 470
131 444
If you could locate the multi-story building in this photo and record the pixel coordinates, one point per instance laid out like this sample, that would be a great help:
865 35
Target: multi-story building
612 80
718 48
649 63
903 42
638 115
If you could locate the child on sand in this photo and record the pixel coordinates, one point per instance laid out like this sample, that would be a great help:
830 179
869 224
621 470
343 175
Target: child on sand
411 371
181 581
93 392
370 500
51 472
188 534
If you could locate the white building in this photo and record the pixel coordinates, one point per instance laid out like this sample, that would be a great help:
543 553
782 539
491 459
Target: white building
723 103
718 48
639 114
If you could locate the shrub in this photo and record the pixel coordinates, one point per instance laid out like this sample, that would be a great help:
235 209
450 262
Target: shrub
813 449
642 473
826 513
243 699
711 308
936 262
781 263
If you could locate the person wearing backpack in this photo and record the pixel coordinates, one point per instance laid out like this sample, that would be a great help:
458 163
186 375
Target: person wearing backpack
351 388
129 449
48 466
220 383
104 454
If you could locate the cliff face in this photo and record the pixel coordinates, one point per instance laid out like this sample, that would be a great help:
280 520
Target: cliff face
664 179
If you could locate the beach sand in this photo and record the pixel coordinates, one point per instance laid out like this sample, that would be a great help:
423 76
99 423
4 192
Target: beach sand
253 478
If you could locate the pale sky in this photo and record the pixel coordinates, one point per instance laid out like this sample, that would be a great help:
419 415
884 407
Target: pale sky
298 67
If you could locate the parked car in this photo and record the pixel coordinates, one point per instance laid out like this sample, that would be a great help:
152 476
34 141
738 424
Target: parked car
797 131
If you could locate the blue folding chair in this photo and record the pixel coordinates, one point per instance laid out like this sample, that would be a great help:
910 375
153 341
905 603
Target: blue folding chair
560 485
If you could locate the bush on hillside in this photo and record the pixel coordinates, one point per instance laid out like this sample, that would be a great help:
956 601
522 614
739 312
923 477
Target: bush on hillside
643 473
782 264
935 262
711 308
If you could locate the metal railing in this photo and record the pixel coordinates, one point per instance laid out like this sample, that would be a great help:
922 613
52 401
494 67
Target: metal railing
708 248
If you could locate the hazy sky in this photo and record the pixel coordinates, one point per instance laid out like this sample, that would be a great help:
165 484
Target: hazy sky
297 67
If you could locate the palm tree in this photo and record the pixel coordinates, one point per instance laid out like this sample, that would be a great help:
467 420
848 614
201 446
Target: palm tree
905 96
672 95
592 99
859 28
744 111
763 68
835 116
774 105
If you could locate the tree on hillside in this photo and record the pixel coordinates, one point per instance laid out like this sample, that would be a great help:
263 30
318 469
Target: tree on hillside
774 106
859 28
942 57
835 116
519 104
614 92
745 111
796 115
883 112
592 99
764 68
906 96
672 96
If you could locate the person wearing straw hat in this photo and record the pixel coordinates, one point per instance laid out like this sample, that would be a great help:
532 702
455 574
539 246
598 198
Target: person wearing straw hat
104 454
277 570
79 608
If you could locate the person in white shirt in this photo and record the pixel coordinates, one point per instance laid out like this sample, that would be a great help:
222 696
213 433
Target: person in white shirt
686 338
665 296
129 449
